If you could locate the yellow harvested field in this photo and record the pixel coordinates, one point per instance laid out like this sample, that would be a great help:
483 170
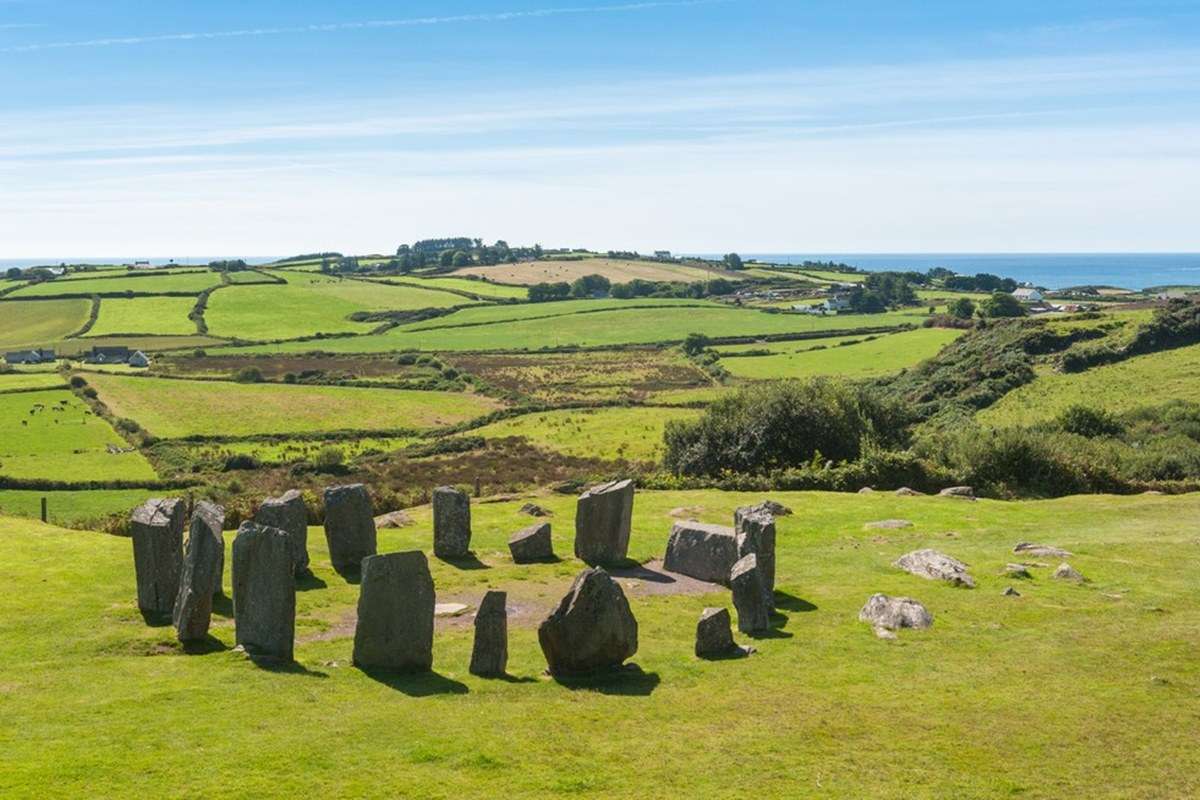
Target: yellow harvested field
616 270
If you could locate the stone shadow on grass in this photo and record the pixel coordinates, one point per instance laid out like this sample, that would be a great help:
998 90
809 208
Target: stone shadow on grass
629 680
209 644
351 575
789 602
270 664
417 684
309 582
468 562
632 570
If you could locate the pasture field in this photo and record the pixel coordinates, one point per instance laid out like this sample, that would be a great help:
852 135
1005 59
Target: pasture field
481 288
1066 691
312 303
150 316
1147 380
20 381
793 346
172 409
189 282
73 508
40 323
291 450
52 435
629 434
880 356
825 276
72 348
248 276
616 270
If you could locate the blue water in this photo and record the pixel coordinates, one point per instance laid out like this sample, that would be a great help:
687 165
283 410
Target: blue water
1052 270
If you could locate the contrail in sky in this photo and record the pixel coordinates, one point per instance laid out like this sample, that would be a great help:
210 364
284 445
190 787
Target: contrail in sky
498 16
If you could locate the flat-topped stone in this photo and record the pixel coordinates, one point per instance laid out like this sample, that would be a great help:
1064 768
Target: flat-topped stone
603 520
395 613
532 544
701 551
156 528
288 513
935 566
349 526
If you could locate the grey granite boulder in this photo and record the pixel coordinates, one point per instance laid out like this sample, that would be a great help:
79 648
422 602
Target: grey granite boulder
749 597
288 513
451 523
603 519
905 491
714 636
201 575
395 614
935 566
1043 550
489 655
1017 571
349 526
771 507
532 544
593 627
961 492
893 613
700 551
1066 572
264 592
156 527
756 534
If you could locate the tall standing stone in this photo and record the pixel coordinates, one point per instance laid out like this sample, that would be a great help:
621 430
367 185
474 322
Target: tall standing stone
201 576
264 591
748 596
395 614
592 628
451 523
157 531
756 534
489 656
288 513
349 526
603 519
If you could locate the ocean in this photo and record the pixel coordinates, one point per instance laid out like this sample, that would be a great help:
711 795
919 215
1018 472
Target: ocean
1049 270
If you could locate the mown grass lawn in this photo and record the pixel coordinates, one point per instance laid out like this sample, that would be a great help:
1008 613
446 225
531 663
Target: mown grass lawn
881 356
51 435
40 323
631 434
1066 691
171 408
1142 381
154 316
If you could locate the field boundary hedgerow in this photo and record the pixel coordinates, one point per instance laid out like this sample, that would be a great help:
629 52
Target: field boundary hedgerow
93 315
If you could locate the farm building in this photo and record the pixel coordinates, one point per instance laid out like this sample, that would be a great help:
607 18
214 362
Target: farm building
1028 295
30 357
838 302
139 359
108 355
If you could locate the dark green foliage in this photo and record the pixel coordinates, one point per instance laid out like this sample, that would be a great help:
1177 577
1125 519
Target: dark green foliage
78 382
547 292
695 343
590 286
776 426
962 308
241 461
1002 304
248 375
1089 422
127 425
733 262
983 282
881 291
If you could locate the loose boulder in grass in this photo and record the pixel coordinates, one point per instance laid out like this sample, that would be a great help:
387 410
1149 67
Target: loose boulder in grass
451 523
264 592
531 545
349 527
201 576
592 629
395 614
603 520
156 528
288 513
886 614
1066 572
701 551
714 636
489 655
935 566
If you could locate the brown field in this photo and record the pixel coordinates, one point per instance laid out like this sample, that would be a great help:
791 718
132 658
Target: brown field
276 367
594 376
617 271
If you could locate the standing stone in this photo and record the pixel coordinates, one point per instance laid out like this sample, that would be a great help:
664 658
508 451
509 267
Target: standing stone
489 657
289 514
593 627
749 598
603 519
714 637
395 614
157 530
700 551
532 544
451 523
264 591
349 526
201 575
756 534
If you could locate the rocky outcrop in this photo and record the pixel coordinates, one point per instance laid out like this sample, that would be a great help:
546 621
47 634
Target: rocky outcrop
700 551
593 627
1043 550
935 566
1066 572
603 520
893 613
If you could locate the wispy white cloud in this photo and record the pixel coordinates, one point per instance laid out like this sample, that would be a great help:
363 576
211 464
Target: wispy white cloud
336 27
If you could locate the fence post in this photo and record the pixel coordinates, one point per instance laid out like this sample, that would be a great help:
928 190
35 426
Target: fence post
478 486
44 510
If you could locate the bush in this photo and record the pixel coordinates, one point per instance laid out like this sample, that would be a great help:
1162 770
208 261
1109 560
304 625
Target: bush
330 458
77 382
248 375
127 425
90 393
241 461
1089 422
695 343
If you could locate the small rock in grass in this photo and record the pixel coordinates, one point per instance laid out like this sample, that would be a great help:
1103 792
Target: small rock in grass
894 613
1029 548
1066 572
866 490
714 636
534 510
961 492
1011 592
450 609
935 566
1017 571
904 491
393 520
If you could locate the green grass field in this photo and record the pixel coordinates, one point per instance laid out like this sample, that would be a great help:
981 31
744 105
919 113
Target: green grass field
1142 381
38 323
155 316
73 508
630 434
191 282
51 435
16 381
310 304
481 288
291 450
171 408
880 356
1067 691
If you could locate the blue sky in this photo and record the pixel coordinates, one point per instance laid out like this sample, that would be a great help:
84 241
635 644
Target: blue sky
176 128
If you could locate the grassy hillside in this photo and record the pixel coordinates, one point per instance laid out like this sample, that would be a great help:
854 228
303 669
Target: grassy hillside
631 434
190 282
40 323
18 381
157 316
1145 380
1064 692
877 357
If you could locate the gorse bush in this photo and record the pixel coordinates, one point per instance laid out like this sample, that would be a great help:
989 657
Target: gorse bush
788 424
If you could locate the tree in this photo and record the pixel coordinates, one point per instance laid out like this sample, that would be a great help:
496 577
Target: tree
695 343
14 274
1002 304
447 258
718 286
962 308
589 285
733 261
547 292
460 259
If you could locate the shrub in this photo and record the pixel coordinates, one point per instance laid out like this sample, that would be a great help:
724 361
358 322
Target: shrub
1089 422
78 382
248 375
329 458
127 425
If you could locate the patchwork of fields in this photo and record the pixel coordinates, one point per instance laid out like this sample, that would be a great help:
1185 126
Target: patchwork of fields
848 357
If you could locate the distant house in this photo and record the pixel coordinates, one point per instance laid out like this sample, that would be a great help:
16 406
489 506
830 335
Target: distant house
662 255
838 302
1028 295
139 359
108 355
30 357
